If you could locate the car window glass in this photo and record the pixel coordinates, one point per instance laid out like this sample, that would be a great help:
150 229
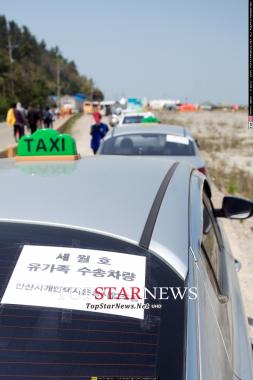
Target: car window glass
132 119
210 247
146 144
59 343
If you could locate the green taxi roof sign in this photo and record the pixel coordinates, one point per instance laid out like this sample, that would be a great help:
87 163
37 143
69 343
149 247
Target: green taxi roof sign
47 144
150 119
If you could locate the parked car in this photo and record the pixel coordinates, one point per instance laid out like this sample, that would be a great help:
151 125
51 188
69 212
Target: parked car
154 140
127 118
170 107
80 228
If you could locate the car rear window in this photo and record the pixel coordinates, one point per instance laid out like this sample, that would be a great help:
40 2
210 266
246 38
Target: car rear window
51 343
132 119
148 144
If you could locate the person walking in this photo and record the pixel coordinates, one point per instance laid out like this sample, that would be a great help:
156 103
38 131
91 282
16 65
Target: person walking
19 125
48 118
97 132
33 117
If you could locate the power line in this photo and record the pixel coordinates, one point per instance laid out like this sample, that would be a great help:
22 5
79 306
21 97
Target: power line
58 82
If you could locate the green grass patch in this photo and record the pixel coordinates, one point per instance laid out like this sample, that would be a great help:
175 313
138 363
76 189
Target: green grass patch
69 124
234 181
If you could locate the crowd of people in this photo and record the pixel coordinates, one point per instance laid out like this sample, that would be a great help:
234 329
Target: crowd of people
23 120
28 120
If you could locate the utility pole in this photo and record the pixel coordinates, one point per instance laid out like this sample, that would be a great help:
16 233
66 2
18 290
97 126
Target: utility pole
58 82
10 48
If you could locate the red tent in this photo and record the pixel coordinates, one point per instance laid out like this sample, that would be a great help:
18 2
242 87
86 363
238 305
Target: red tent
187 107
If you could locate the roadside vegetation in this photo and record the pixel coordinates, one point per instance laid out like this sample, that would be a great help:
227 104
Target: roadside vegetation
28 70
233 181
69 124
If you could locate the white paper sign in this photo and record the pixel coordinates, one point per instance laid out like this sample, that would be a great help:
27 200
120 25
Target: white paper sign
177 139
66 278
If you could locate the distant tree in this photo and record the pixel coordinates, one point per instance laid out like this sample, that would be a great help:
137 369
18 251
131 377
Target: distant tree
97 95
32 76
3 33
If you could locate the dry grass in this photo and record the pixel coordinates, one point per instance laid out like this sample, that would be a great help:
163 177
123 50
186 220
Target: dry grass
210 145
234 181
173 121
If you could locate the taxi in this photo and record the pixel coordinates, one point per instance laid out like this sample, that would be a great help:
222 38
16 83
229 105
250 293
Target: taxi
109 274
131 117
168 141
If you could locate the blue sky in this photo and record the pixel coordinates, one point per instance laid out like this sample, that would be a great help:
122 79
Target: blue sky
178 49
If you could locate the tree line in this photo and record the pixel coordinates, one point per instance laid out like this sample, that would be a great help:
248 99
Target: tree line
28 70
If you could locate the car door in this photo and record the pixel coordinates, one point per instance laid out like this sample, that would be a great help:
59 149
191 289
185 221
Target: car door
238 343
213 306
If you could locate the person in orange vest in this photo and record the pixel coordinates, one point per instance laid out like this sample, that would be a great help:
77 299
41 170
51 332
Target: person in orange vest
19 126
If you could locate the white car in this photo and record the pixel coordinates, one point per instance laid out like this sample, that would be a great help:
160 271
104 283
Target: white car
130 118
154 140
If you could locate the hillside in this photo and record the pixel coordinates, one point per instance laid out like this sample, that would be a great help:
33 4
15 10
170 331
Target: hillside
28 69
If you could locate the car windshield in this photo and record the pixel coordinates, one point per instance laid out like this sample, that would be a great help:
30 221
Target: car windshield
149 144
132 119
49 342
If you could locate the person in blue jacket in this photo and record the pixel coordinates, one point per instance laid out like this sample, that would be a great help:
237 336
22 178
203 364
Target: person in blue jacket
97 132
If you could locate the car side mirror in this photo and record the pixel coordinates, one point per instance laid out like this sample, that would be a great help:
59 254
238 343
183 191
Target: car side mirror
235 208
197 143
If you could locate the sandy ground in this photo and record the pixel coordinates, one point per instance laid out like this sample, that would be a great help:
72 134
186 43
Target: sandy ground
227 133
